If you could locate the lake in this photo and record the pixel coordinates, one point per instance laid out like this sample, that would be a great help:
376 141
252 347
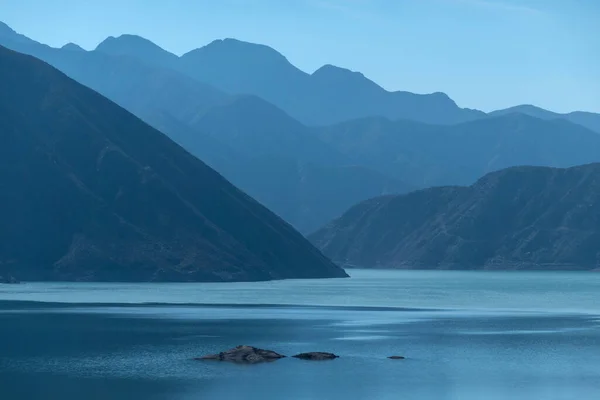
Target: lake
466 335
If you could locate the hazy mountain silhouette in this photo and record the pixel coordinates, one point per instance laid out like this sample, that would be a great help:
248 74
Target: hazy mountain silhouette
72 47
309 195
346 95
429 155
6 32
229 133
90 192
329 95
282 164
254 127
245 68
522 217
137 47
140 87
240 134
586 119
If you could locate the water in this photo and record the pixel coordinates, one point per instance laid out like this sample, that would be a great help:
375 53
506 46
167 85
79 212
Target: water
467 335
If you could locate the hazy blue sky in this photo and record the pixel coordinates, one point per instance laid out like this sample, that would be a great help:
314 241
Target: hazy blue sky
485 54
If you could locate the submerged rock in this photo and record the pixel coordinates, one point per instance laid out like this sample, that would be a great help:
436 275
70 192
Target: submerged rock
396 358
316 356
244 355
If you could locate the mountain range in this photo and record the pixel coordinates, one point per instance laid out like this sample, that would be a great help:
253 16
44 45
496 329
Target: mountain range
585 119
520 218
247 112
228 132
329 95
434 155
90 192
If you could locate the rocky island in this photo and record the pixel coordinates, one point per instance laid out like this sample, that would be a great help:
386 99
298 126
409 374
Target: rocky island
244 355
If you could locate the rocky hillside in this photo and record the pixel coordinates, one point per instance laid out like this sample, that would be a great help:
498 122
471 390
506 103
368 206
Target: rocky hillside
522 217
90 192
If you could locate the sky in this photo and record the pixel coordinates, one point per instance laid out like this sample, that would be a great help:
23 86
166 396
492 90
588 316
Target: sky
485 54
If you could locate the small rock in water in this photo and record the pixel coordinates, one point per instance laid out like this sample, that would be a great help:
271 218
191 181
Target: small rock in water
396 358
244 355
316 356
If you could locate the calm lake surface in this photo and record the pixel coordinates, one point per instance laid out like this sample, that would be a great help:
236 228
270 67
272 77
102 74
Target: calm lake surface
467 336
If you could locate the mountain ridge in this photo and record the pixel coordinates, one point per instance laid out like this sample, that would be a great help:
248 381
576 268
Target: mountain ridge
217 128
516 218
90 192
586 119
306 87
431 155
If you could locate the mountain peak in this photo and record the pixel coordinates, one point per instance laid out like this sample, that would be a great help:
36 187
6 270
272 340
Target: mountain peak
528 109
329 71
230 47
72 47
13 37
441 96
6 30
341 79
137 47
124 40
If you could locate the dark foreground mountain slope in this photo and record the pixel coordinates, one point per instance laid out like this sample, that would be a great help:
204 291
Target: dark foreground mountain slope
586 119
90 192
522 217
429 155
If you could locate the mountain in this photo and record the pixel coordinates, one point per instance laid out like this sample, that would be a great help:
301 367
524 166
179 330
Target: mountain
521 218
72 47
586 119
245 68
90 192
230 133
429 155
309 195
139 48
280 162
142 88
256 128
329 95
6 32
343 95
